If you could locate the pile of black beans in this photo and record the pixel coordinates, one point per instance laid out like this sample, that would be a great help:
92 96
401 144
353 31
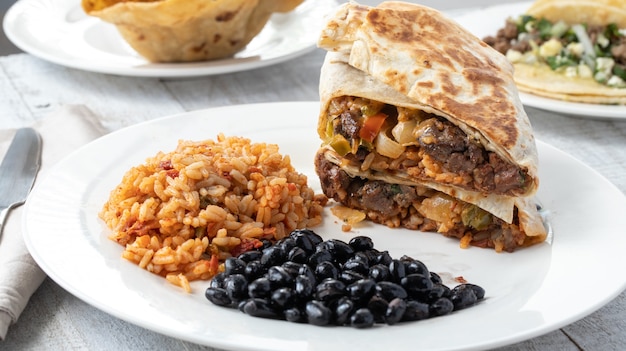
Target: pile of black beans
304 279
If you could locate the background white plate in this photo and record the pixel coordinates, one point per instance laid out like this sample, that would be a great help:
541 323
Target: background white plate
529 292
59 31
475 22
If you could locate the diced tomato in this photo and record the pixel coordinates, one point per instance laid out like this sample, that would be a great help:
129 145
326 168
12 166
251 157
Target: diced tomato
371 126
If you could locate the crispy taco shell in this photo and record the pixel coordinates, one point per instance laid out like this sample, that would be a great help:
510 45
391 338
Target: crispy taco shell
187 30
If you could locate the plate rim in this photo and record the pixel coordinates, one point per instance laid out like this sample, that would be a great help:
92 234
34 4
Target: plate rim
503 340
11 23
567 108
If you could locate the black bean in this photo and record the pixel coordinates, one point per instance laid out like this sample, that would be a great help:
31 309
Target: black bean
306 271
340 250
317 313
284 297
293 268
416 267
218 296
259 308
287 244
384 258
440 307
302 278
325 270
295 315
395 311
390 290
306 239
361 290
361 243
436 292
234 265
378 306
254 269
330 289
397 270
361 256
297 254
217 281
273 255
320 256
379 272
279 276
478 290
250 256
415 311
356 265
260 288
343 310
350 277
236 286
417 285
462 296
362 318
435 278
304 287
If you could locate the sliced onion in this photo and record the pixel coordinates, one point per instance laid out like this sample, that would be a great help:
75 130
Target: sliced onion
584 39
403 132
387 147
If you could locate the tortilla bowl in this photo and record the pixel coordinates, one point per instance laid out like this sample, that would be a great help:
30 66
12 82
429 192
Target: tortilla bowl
187 30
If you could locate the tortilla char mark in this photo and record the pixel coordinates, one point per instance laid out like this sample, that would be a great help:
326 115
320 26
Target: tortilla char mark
450 69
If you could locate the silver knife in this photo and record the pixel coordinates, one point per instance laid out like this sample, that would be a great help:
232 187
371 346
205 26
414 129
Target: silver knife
18 170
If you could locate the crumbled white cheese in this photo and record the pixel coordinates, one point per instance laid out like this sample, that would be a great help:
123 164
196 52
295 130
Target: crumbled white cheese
513 55
616 81
605 65
575 49
551 47
584 71
602 40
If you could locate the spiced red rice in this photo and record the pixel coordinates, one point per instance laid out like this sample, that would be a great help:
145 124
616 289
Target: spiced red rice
181 213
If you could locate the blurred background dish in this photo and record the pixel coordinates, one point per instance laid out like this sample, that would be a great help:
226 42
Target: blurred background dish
474 21
61 32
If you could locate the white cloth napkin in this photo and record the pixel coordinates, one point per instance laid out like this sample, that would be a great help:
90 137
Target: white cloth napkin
63 131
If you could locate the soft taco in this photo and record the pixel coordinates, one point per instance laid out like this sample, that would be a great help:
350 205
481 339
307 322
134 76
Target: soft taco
572 50
422 128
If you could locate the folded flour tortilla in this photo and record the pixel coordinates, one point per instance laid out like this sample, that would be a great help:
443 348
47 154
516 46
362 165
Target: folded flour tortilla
454 152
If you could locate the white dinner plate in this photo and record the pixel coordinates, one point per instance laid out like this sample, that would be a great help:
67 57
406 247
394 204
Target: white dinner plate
528 293
59 31
475 22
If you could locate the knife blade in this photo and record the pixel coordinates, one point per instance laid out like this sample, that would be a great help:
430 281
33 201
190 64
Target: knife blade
18 170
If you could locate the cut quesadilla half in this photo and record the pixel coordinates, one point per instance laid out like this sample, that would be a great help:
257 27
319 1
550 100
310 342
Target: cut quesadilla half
422 128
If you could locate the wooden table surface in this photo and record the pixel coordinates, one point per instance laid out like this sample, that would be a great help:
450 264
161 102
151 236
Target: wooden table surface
32 88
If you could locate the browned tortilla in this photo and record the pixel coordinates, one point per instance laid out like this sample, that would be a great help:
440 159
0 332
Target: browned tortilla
412 56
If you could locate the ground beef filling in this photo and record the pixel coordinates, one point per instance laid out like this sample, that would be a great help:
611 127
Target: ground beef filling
413 207
441 151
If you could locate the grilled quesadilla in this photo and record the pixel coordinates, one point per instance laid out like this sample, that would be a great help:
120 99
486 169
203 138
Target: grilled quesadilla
422 128
572 50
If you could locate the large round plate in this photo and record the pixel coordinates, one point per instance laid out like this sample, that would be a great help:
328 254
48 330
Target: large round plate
60 32
475 22
529 292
